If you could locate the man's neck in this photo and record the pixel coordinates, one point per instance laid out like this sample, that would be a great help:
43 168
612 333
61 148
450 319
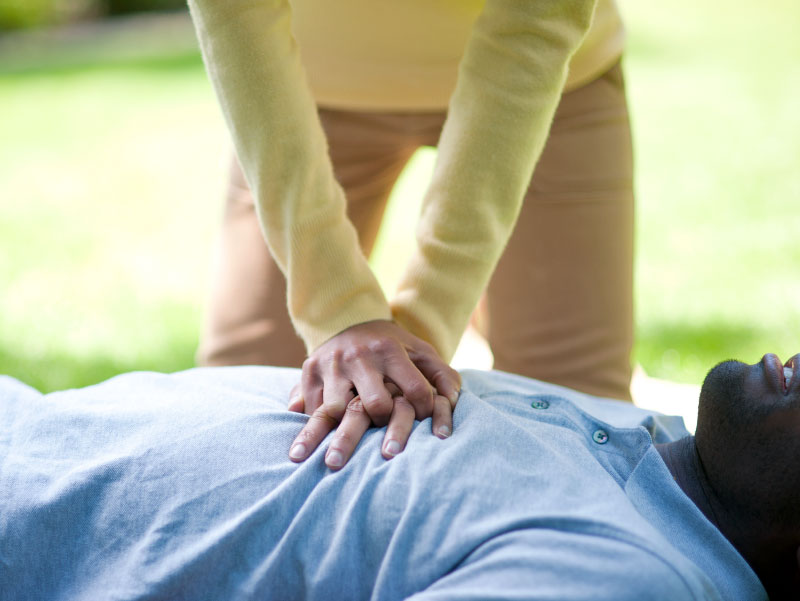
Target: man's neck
687 469
775 559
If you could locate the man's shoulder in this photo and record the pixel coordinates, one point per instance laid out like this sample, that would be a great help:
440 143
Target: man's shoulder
495 385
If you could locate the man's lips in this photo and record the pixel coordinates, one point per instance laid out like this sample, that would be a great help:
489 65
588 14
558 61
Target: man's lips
780 373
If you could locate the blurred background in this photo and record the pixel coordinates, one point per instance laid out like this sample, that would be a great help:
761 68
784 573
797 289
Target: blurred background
113 158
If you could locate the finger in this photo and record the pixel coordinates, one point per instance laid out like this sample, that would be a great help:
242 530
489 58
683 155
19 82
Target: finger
444 378
369 385
315 430
400 425
337 392
392 388
442 422
352 427
415 387
296 402
311 385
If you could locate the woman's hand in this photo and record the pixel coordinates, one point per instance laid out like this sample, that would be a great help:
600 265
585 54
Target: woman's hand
397 378
356 421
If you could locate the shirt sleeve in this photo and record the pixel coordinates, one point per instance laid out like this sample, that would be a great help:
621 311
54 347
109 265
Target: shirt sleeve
541 564
509 84
254 65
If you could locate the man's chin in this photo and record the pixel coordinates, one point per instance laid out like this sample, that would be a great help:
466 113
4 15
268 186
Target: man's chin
722 396
724 377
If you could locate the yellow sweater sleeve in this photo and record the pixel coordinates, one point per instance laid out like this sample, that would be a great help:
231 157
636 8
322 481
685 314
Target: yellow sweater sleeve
509 83
255 68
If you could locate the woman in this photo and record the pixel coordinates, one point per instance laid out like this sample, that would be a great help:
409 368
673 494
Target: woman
486 82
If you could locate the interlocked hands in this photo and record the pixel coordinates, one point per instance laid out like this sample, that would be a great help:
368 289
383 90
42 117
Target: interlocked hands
374 373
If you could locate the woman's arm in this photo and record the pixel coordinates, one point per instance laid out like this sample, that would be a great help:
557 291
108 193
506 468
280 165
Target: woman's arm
509 84
254 65
334 300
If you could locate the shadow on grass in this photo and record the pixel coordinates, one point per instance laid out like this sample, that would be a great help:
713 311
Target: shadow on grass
185 61
59 371
685 351
147 42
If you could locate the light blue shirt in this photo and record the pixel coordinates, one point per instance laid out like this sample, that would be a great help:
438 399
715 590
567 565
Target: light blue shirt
153 486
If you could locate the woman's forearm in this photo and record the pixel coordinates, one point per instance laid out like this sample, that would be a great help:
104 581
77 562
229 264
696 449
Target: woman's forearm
254 65
509 85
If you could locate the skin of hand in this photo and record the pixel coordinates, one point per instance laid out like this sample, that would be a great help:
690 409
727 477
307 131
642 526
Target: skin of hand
372 373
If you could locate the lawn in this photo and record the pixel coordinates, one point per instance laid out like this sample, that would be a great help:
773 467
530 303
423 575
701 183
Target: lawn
112 168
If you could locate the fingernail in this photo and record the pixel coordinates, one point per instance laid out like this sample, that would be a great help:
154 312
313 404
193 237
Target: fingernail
334 459
392 448
293 400
443 431
298 451
454 396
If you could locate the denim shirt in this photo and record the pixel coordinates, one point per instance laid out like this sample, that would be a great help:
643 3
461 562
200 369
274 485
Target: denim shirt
153 486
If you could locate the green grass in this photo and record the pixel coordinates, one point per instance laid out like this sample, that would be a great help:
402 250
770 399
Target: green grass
112 167
713 91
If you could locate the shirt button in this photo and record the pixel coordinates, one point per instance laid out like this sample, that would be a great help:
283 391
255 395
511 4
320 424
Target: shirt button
540 404
600 436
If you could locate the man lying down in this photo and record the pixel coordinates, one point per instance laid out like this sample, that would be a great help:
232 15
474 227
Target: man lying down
179 486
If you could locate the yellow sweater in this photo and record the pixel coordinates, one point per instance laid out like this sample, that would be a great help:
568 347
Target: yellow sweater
512 64
403 55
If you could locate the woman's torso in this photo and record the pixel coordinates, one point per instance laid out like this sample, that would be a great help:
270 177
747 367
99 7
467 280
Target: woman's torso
404 54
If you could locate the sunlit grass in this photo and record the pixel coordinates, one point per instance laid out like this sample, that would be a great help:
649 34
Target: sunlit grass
112 167
108 204
713 91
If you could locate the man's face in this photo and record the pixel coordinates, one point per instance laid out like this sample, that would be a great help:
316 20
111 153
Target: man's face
760 400
748 436
748 440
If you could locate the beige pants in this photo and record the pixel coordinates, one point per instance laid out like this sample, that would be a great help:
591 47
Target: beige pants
559 306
